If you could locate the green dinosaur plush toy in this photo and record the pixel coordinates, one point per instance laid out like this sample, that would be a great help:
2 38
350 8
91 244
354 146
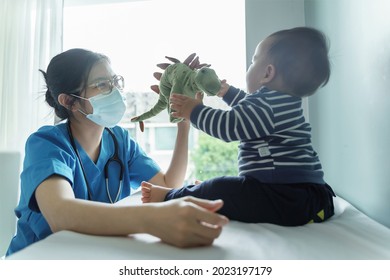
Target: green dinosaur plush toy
186 78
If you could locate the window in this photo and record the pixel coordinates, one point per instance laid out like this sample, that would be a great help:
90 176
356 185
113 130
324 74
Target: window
137 35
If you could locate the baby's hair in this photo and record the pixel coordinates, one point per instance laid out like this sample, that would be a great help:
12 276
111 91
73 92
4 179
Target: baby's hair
300 56
68 73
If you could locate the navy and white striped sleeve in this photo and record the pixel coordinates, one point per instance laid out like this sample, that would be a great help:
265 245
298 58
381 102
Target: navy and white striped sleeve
249 119
233 96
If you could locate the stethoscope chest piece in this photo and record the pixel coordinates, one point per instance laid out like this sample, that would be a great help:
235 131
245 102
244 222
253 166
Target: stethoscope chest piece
115 159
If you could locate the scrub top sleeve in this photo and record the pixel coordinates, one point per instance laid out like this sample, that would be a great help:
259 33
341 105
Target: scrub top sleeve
46 155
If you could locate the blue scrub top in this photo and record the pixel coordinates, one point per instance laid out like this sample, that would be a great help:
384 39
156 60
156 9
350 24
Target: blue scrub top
49 152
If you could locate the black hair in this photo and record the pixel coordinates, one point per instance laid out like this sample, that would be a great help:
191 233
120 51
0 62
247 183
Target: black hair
68 73
300 56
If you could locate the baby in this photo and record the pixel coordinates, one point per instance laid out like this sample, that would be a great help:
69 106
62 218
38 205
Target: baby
280 178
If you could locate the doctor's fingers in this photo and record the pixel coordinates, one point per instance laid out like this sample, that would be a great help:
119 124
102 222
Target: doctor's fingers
191 237
199 96
176 107
204 233
204 237
179 98
193 232
180 111
204 214
211 205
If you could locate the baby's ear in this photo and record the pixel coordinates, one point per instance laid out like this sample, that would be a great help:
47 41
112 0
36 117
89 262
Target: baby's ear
270 73
65 100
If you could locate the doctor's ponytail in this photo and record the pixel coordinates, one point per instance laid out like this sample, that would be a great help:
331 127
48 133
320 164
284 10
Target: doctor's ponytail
60 111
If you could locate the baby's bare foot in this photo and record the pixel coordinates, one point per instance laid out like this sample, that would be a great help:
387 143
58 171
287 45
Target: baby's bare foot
153 193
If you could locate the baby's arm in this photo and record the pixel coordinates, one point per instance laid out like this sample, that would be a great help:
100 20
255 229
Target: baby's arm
249 119
230 94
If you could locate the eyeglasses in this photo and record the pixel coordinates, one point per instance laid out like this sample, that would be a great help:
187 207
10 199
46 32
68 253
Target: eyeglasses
106 86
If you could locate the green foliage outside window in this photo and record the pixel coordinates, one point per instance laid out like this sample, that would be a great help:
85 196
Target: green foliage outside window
213 157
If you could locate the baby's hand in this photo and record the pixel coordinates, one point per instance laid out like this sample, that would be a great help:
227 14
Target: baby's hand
224 88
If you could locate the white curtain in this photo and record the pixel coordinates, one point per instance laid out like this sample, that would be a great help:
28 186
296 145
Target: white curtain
30 35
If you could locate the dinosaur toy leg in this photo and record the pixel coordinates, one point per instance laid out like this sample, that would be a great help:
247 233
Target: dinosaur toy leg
157 108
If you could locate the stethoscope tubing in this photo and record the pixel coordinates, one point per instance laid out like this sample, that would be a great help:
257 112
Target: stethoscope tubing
114 158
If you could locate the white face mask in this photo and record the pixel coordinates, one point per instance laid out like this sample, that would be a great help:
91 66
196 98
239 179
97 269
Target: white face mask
108 109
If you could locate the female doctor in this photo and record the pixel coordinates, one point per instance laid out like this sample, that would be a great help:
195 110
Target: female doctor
75 171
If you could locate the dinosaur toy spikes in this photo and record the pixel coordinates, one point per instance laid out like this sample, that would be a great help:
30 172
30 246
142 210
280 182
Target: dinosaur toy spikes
157 75
190 59
155 88
163 65
175 60
188 78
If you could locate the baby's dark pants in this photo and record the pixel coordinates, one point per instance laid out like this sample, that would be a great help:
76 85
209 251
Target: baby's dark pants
248 200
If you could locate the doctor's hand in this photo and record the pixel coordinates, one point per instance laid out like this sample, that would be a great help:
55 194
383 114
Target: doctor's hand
187 222
182 105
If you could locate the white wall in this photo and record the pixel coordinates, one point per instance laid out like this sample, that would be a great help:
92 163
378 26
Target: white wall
264 17
350 116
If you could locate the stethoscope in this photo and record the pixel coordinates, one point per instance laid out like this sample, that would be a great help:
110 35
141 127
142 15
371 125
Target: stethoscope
113 159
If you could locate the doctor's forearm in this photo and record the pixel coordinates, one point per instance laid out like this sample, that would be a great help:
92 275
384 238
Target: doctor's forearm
176 172
102 219
62 211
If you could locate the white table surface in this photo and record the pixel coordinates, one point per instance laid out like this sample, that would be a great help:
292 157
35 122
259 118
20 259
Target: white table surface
348 235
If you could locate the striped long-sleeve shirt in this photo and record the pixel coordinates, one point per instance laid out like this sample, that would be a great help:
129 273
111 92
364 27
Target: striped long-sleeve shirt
275 140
